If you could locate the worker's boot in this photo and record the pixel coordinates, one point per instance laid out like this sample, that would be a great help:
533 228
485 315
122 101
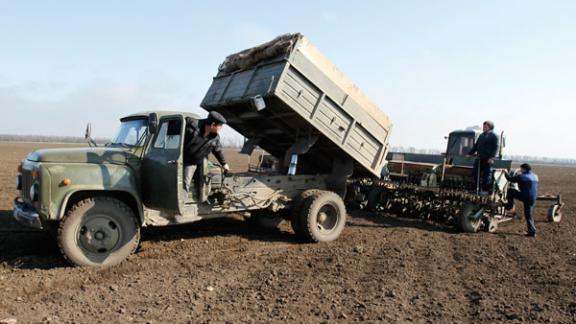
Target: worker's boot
511 212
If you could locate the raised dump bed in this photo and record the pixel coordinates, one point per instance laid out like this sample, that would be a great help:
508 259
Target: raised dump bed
286 97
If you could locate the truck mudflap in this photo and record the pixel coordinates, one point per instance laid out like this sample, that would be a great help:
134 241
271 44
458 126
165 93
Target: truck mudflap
26 215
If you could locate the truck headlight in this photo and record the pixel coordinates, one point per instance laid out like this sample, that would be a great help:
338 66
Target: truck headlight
19 182
34 192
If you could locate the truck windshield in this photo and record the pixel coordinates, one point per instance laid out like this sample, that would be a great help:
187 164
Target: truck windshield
131 133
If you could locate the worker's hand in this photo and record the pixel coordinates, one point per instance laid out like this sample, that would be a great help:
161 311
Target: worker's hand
490 161
226 168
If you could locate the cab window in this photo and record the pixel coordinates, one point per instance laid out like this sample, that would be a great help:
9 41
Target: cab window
169 134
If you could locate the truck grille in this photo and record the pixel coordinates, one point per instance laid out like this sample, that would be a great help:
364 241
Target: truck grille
26 184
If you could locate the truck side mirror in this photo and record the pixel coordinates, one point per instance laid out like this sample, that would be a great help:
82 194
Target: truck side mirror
88 136
502 144
152 123
88 132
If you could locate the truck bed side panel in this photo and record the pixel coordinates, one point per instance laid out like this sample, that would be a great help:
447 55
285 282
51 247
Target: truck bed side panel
303 93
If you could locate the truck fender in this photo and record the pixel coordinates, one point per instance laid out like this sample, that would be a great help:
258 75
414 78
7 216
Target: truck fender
127 197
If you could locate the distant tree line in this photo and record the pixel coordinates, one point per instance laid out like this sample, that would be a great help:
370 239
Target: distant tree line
411 149
228 142
237 142
540 160
48 139
515 158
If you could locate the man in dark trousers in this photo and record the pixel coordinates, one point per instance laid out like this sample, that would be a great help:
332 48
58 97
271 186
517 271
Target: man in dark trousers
201 138
528 193
486 148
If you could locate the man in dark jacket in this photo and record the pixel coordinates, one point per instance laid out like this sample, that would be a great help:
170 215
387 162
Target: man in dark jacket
486 148
528 193
201 139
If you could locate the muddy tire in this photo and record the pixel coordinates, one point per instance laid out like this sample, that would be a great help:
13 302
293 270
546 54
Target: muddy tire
468 223
297 206
98 232
554 214
491 226
322 217
374 200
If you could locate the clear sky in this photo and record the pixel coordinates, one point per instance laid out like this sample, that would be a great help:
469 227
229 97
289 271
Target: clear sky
432 66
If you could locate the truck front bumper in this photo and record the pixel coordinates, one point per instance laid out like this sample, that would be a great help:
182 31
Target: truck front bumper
26 215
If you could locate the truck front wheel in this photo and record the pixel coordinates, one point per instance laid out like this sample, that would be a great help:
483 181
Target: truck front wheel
98 232
322 217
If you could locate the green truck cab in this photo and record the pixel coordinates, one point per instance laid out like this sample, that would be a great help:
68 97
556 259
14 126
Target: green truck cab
96 199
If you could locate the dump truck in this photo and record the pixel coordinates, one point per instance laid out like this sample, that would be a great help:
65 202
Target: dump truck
283 96
442 187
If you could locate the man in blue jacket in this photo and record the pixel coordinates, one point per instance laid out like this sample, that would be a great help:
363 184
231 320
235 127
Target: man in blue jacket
486 148
528 193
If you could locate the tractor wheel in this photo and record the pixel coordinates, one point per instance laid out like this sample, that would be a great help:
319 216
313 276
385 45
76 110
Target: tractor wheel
491 226
470 218
322 217
98 232
297 206
554 214
374 200
353 200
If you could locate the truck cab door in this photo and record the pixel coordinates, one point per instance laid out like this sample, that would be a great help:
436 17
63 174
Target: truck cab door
162 167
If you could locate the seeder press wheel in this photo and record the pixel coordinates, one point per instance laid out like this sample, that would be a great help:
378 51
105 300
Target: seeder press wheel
471 218
554 213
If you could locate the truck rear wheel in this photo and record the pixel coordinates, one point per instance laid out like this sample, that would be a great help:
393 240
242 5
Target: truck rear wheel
98 232
322 217
297 207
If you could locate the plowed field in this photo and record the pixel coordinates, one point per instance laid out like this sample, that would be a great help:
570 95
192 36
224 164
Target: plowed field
380 269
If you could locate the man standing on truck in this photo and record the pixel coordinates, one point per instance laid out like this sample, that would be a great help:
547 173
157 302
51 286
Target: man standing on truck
201 138
486 148
528 184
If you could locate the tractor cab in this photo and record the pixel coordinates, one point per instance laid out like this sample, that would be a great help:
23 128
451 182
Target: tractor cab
460 143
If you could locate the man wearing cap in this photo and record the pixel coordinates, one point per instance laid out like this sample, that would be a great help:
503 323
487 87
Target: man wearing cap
201 138
528 193
486 148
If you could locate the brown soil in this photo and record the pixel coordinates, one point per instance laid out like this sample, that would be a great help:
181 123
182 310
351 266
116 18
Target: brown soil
381 269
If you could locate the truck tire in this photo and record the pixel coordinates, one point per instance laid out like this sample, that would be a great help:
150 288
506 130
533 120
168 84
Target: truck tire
98 232
374 204
322 217
297 206
468 223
